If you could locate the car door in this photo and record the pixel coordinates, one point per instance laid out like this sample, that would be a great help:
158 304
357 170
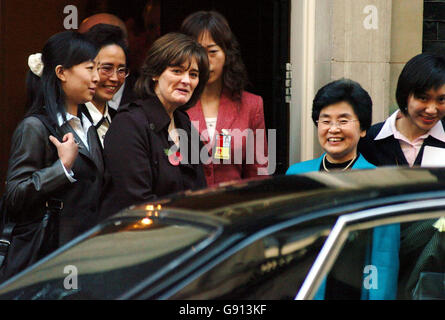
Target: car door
412 255
270 264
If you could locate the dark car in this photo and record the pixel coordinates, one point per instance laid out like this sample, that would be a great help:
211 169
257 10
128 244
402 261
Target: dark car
282 237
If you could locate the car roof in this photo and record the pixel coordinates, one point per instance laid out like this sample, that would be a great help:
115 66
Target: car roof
315 199
251 200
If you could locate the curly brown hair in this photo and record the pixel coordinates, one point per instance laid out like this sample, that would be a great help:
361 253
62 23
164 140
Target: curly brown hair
235 77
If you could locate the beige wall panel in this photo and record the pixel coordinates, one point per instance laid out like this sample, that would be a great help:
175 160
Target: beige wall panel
396 69
406 30
322 75
323 31
352 41
374 78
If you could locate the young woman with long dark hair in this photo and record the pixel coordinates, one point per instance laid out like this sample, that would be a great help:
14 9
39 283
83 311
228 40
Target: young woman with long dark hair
54 156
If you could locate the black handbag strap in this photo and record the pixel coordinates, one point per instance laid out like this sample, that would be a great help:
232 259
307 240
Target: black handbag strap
52 205
6 231
49 124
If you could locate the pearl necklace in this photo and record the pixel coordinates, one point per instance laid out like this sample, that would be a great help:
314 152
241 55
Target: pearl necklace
344 169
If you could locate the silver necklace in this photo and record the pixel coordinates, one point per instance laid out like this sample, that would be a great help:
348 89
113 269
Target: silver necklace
344 169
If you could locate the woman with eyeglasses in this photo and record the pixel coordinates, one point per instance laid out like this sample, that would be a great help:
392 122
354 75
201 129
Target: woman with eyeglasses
151 149
52 165
342 112
112 59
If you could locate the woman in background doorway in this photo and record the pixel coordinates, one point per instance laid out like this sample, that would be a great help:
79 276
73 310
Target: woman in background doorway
226 112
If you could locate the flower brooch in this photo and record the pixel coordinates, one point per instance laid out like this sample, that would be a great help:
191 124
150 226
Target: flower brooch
173 157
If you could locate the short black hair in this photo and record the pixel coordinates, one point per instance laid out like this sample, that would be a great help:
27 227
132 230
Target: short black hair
423 72
103 35
344 90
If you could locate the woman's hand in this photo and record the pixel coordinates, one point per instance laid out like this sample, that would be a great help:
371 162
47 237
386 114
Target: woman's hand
67 149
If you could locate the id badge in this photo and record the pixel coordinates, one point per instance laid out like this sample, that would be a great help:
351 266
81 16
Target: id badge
223 142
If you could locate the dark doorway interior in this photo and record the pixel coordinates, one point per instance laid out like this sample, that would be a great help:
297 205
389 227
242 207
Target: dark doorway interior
262 29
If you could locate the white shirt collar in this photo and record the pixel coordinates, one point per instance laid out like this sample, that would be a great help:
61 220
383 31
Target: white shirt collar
389 128
79 127
68 117
95 114
117 97
438 132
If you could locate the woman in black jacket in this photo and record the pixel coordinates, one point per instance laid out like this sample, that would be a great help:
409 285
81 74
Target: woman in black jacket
151 149
414 135
54 158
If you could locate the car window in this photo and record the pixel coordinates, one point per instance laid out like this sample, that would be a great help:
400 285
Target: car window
109 262
270 267
403 260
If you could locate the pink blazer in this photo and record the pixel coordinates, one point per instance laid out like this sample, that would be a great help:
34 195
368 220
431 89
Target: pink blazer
245 157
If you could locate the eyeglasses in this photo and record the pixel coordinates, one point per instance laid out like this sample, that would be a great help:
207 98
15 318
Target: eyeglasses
339 124
108 71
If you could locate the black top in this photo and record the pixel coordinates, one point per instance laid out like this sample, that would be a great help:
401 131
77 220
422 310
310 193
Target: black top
387 151
338 166
137 166
128 95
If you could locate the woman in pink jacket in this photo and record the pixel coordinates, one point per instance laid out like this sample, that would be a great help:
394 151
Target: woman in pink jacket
230 120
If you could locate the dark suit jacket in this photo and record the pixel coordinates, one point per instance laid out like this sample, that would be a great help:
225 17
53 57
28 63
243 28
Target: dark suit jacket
36 174
387 152
128 95
112 113
137 166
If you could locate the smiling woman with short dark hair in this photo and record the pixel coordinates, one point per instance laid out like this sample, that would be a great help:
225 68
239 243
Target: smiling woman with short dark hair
342 112
417 126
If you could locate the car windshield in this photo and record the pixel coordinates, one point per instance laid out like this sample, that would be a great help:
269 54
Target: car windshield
111 261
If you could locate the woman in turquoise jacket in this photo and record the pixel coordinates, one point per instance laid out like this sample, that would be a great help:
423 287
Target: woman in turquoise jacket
342 112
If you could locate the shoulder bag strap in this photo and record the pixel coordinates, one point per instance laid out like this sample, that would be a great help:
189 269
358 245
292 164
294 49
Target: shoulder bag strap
5 240
50 126
5 232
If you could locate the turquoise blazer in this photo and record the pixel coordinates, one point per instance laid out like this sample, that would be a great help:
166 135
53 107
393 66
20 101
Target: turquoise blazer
384 253
314 165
